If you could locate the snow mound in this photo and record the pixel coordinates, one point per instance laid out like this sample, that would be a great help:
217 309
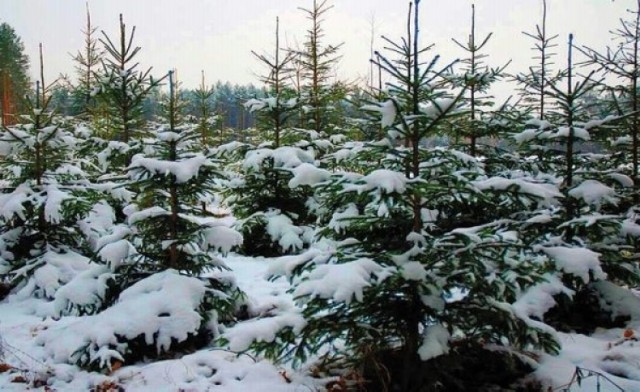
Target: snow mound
213 370
161 310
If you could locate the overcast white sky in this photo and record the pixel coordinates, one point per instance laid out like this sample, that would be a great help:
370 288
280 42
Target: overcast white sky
217 35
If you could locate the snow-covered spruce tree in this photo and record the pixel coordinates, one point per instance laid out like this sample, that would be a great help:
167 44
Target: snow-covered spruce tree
43 198
623 62
162 303
171 177
586 236
112 136
273 217
424 260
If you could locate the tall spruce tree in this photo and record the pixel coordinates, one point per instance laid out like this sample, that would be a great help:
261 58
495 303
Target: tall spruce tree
170 177
535 83
589 218
205 113
479 77
412 229
87 61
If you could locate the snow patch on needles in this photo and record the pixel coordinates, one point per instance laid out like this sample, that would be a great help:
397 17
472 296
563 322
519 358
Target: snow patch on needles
538 299
576 261
183 171
13 203
283 157
435 342
436 107
340 220
285 265
547 193
53 204
222 238
594 193
308 174
340 282
83 291
387 109
385 180
55 271
281 229
264 329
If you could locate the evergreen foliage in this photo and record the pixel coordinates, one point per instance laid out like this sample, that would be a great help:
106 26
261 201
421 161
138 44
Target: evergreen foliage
318 96
273 216
43 198
420 261
404 259
122 86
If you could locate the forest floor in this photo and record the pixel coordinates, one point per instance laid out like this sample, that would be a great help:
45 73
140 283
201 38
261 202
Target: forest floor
24 365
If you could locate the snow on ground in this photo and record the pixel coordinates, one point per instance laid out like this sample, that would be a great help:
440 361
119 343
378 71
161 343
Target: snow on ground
212 369
22 321
605 352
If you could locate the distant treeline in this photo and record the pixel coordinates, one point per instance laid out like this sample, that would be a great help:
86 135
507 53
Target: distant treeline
227 102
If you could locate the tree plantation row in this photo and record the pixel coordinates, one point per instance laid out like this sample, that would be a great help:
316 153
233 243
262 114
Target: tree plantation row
418 222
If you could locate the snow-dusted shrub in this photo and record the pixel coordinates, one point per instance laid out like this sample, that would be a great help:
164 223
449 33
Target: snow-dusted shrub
273 214
155 316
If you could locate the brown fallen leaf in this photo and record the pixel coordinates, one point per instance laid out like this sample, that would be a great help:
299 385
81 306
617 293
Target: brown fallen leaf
19 379
5 367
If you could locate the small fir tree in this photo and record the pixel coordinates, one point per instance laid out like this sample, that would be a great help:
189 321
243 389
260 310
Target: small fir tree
45 197
318 96
272 214
123 87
